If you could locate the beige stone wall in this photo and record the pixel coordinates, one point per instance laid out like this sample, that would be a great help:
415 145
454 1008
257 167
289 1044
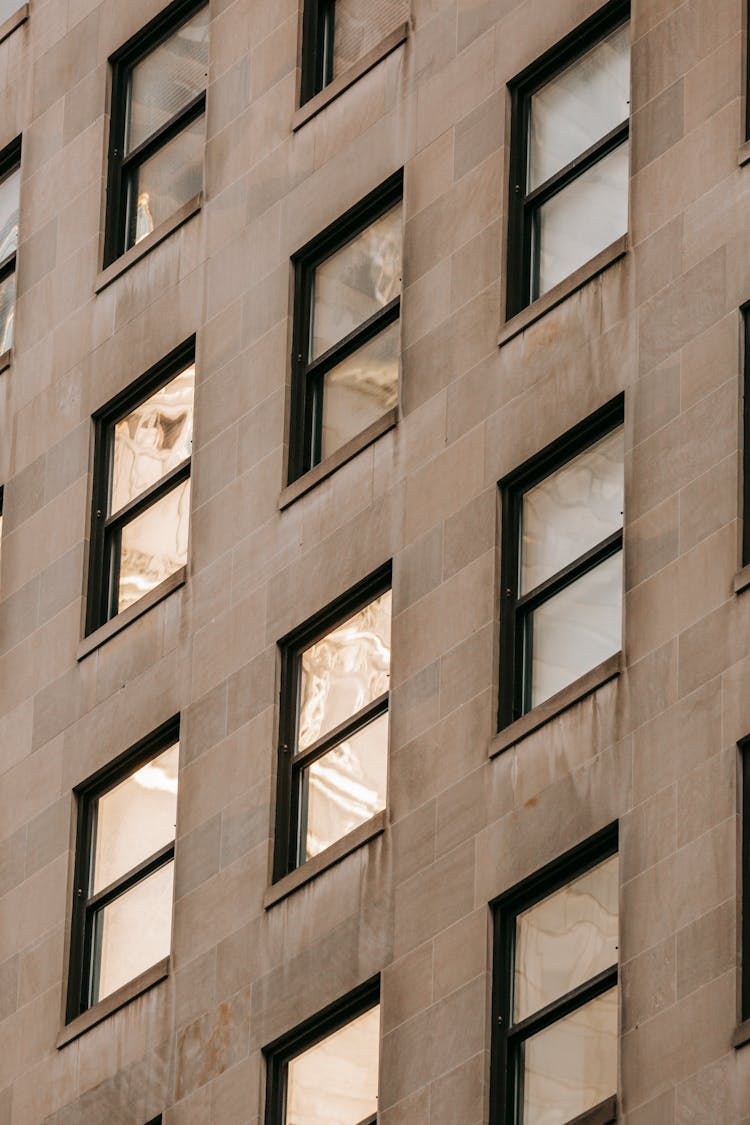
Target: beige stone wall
654 748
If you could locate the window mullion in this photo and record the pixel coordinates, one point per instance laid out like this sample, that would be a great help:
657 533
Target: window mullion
564 1005
355 339
343 731
587 159
574 570
130 878
184 117
151 496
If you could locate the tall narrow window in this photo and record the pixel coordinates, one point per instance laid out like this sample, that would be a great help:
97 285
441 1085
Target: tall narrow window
561 610
333 758
746 439
141 515
157 135
10 186
555 992
347 339
569 155
326 1071
336 34
122 899
745 878
1 529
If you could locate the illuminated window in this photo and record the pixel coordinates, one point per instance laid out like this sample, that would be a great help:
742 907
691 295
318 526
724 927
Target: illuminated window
346 327
569 155
122 898
141 514
326 1071
157 135
555 1000
333 758
561 610
10 186
336 34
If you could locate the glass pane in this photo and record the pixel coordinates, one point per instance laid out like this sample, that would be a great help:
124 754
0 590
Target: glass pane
582 219
10 189
345 670
166 181
136 818
7 312
579 106
566 939
336 1081
168 79
577 629
571 1066
345 787
133 932
359 25
9 8
360 390
154 545
356 281
572 510
153 439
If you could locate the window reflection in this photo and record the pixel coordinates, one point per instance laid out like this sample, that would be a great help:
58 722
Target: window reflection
335 1082
360 390
133 932
10 188
359 25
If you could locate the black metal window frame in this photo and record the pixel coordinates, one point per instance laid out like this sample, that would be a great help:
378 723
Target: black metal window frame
747 70
106 530
515 611
290 815
746 435
122 167
305 438
508 1038
10 162
744 802
81 981
524 205
317 47
314 1030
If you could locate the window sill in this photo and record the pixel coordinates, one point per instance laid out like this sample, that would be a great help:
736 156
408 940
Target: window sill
134 988
334 89
556 704
314 867
743 156
741 1035
603 1114
135 253
9 26
314 476
585 273
111 628
5 360
742 580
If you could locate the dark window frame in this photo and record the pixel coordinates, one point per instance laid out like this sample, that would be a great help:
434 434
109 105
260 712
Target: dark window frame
515 654
85 905
10 161
507 1038
313 1030
745 311
121 167
317 47
305 434
747 70
290 765
101 605
523 206
744 788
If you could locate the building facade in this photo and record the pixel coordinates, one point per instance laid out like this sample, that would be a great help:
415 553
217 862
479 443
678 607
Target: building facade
374 626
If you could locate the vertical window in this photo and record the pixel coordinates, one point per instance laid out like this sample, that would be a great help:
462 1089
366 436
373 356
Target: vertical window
141 515
746 440
569 156
122 899
333 757
326 1071
561 609
555 992
10 186
745 913
338 33
158 130
347 339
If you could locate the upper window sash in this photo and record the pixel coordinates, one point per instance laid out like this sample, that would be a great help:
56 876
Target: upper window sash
569 146
157 133
10 188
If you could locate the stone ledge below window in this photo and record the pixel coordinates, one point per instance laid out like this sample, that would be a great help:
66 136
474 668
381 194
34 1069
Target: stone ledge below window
741 1035
362 834
134 988
742 580
556 704
5 360
334 89
116 624
743 156
111 272
7 27
555 296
